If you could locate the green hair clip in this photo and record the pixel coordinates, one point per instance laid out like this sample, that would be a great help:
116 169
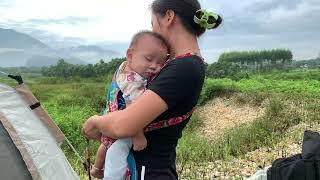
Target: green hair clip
206 19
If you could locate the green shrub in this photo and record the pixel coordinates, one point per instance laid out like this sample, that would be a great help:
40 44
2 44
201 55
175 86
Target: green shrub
216 87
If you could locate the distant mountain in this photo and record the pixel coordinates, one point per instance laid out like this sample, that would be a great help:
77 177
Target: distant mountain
12 39
90 54
19 49
13 58
16 48
307 63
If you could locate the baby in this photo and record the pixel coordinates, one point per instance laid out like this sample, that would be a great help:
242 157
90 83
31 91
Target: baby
145 56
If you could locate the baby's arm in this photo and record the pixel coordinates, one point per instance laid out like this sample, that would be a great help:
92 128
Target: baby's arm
139 141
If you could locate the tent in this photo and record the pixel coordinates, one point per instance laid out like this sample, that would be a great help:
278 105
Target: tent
29 139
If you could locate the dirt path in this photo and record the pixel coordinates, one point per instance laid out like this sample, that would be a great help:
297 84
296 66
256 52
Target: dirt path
222 113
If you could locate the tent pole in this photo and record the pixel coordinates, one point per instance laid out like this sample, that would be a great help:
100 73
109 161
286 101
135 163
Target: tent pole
77 154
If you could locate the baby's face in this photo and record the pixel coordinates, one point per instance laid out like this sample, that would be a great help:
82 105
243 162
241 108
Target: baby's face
148 56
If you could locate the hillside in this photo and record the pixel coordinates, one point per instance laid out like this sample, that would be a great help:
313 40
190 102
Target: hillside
19 49
16 40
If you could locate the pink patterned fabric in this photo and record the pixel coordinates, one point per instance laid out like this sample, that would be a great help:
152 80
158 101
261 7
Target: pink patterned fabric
168 122
106 141
131 84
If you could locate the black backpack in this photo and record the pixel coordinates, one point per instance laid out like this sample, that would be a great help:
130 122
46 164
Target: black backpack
304 166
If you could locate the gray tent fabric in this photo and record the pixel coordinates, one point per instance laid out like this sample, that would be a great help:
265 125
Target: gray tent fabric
30 99
35 144
11 161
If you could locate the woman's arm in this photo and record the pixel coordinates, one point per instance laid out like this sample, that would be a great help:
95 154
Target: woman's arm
127 122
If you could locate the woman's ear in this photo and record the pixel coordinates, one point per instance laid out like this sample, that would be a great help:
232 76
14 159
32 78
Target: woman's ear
169 17
129 55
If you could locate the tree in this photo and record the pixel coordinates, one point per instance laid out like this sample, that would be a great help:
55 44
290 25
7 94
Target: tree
258 59
64 69
222 70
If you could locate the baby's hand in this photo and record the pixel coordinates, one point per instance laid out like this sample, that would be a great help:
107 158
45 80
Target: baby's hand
139 142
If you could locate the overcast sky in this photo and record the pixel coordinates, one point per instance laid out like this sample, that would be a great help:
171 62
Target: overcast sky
248 24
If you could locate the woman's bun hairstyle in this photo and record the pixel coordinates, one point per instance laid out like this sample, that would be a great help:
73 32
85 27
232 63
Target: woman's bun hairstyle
188 11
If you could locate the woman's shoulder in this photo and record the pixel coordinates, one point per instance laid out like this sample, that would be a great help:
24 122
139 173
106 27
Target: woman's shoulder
186 66
182 71
188 60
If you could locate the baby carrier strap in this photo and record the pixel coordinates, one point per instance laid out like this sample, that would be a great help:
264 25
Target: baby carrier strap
115 101
131 173
175 120
168 122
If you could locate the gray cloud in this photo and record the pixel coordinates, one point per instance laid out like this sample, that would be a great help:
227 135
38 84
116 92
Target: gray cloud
272 4
55 40
265 24
68 20
248 25
52 39
5 4
34 23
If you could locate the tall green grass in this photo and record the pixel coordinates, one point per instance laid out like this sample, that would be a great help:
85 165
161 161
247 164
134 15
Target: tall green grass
301 88
289 75
71 101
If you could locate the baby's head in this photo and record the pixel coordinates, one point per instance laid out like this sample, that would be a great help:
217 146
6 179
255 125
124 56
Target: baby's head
147 53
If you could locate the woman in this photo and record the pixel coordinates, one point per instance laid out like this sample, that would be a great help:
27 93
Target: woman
173 93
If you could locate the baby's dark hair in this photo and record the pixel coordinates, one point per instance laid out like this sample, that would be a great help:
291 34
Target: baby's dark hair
143 33
185 9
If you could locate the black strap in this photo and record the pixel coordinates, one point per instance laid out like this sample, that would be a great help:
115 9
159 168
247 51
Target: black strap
35 105
17 78
317 168
310 169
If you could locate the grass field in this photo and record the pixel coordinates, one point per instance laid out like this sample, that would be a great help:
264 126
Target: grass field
291 98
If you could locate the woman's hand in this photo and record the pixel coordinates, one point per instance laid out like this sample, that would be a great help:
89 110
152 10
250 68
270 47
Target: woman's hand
89 128
128 122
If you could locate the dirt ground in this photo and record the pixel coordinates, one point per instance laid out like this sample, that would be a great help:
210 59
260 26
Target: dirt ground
222 113
245 166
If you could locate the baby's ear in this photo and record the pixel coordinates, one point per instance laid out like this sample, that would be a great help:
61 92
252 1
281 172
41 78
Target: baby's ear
129 54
